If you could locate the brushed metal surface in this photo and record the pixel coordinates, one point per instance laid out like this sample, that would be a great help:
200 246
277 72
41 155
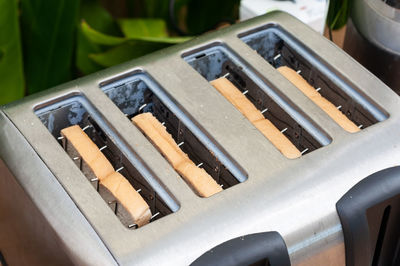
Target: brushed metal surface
25 236
293 197
39 223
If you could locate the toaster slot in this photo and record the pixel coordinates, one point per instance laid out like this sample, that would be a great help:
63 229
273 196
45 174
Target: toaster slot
281 49
216 61
139 93
76 110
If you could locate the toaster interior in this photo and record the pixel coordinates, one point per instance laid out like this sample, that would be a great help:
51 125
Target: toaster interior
139 93
280 49
218 61
76 110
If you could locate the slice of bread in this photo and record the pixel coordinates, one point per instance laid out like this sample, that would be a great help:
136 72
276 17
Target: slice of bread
198 179
318 99
113 187
247 108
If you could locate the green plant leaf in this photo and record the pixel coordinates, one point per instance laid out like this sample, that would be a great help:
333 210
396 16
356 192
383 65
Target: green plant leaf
84 48
99 37
11 68
48 34
157 9
137 28
166 40
99 18
339 11
104 39
127 51
142 36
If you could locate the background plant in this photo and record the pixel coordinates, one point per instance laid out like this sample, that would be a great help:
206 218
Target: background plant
338 13
44 43
47 42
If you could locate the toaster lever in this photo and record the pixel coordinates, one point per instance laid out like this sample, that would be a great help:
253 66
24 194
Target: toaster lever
370 216
266 249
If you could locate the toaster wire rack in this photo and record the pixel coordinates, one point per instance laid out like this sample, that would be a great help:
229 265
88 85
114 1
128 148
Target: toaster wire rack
336 204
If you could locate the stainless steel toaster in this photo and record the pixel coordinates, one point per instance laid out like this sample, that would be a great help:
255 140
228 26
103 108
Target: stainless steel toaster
337 204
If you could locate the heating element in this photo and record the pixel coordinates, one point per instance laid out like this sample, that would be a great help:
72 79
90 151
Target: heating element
335 203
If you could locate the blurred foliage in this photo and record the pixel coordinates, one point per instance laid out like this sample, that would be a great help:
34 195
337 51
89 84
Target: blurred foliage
339 11
12 78
141 36
48 34
47 42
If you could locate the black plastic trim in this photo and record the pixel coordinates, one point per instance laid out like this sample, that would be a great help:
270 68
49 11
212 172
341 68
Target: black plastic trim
370 216
267 248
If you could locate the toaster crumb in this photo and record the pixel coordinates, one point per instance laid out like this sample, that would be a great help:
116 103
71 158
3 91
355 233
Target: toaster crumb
329 108
113 187
197 178
247 108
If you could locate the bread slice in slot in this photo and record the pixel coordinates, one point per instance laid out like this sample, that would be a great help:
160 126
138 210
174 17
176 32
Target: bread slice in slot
328 107
265 126
131 208
197 178
86 154
114 188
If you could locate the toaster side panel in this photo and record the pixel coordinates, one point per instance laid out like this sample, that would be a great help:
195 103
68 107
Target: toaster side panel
39 224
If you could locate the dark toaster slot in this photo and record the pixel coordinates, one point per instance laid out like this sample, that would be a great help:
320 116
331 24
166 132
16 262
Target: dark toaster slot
280 49
76 110
218 61
139 93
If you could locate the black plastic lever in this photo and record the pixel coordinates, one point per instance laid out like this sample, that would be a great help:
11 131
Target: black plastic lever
370 216
266 249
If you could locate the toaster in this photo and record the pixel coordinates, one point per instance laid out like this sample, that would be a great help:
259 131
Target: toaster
336 204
